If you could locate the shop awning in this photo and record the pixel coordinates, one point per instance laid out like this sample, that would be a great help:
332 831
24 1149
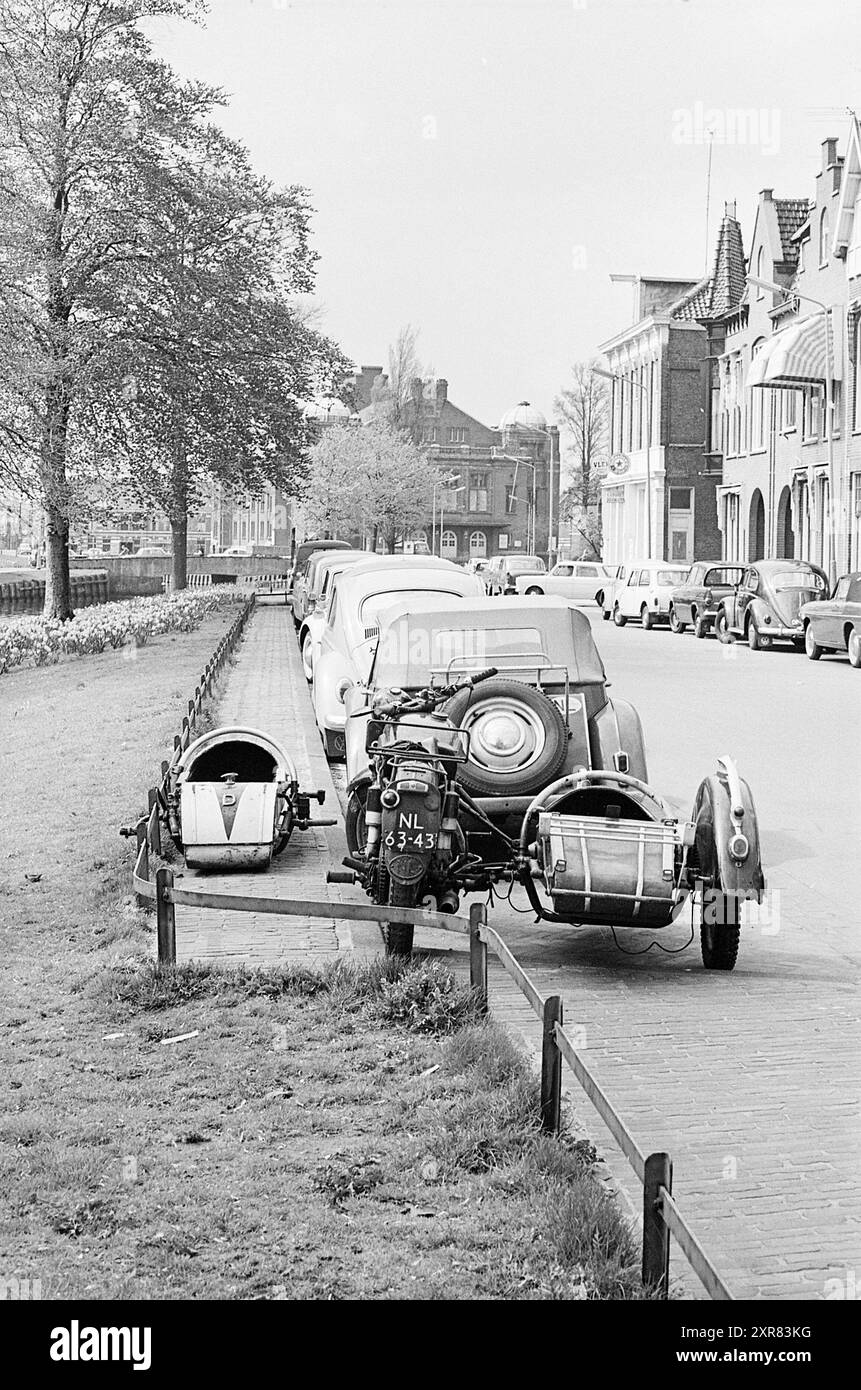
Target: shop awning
797 356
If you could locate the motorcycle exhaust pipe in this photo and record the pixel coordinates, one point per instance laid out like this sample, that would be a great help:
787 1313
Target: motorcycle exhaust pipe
449 901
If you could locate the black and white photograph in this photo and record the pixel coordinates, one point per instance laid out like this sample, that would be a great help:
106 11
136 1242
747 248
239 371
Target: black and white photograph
430 667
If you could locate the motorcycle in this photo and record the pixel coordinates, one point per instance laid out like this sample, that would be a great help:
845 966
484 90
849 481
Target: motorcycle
413 849
597 846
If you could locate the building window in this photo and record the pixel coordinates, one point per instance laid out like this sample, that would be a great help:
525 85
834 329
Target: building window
430 435
457 435
680 499
823 237
760 292
478 492
787 407
449 545
477 545
812 420
757 406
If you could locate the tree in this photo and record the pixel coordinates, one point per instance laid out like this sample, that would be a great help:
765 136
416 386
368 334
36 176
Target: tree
583 413
220 352
370 478
86 113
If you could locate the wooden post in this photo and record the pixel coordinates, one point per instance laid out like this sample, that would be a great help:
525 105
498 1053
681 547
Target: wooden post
551 1067
478 955
166 918
153 820
656 1234
140 834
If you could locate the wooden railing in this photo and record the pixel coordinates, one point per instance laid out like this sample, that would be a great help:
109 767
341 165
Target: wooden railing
661 1215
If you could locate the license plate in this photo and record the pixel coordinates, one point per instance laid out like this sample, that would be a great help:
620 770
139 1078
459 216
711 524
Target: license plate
409 834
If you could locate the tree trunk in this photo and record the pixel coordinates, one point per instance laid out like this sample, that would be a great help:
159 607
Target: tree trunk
58 588
179 532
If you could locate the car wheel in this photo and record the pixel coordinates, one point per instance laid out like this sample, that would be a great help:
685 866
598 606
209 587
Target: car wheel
518 738
722 629
618 617
675 624
701 627
853 646
646 618
307 653
534 589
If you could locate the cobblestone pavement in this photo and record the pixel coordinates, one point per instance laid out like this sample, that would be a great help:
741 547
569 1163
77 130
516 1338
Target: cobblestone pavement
266 689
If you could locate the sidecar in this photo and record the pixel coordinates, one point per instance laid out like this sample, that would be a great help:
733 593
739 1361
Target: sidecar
234 800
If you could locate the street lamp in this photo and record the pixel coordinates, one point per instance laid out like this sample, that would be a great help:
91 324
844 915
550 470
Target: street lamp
445 485
772 286
647 392
513 458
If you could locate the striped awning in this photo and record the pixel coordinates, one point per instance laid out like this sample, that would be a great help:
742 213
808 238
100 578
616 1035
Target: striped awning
797 356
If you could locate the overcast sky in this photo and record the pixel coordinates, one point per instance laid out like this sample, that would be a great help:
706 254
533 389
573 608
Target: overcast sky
480 167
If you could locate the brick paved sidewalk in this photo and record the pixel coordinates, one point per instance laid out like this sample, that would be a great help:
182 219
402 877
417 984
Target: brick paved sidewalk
266 689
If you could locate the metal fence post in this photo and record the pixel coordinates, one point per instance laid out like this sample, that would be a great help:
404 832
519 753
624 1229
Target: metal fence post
478 954
152 800
551 1066
166 918
656 1234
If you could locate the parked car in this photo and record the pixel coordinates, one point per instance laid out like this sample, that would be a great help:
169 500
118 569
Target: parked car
304 590
331 564
151 552
574 579
695 602
304 553
478 566
502 571
483 749
350 634
645 594
605 597
834 624
766 606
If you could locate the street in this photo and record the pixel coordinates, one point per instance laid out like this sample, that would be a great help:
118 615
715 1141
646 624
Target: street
749 1080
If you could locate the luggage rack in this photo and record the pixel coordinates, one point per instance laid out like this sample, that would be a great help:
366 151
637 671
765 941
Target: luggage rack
541 665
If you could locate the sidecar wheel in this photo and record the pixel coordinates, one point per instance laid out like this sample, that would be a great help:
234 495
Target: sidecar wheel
720 931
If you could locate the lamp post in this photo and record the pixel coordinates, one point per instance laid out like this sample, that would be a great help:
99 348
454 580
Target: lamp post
513 458
647 392
445 487
829 409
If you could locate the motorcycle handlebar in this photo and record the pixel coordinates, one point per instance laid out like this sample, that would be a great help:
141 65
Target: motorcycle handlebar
427 700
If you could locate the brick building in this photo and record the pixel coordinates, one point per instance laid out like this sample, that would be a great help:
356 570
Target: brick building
784 457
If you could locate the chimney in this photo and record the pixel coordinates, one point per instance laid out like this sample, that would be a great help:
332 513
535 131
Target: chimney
767 195
416 388
441 392
729 210
829 152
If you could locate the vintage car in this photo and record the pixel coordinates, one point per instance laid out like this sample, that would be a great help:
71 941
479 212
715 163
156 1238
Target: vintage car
332 564
350 633
606 594
546 712
483 748
303 555
645 594
501 573
574 579
766 606
233 800
306 587
695 602
834 624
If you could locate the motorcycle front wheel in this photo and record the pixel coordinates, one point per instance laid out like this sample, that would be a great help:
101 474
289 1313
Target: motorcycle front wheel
399 938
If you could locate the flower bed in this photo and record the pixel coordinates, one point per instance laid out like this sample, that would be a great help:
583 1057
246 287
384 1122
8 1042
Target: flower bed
130 623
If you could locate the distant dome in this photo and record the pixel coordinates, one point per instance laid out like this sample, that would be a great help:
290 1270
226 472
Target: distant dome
523 417
327 408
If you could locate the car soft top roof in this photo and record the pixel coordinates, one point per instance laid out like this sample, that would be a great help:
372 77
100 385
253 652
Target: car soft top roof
548 612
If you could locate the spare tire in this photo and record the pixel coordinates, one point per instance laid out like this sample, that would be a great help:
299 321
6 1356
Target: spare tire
518 738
